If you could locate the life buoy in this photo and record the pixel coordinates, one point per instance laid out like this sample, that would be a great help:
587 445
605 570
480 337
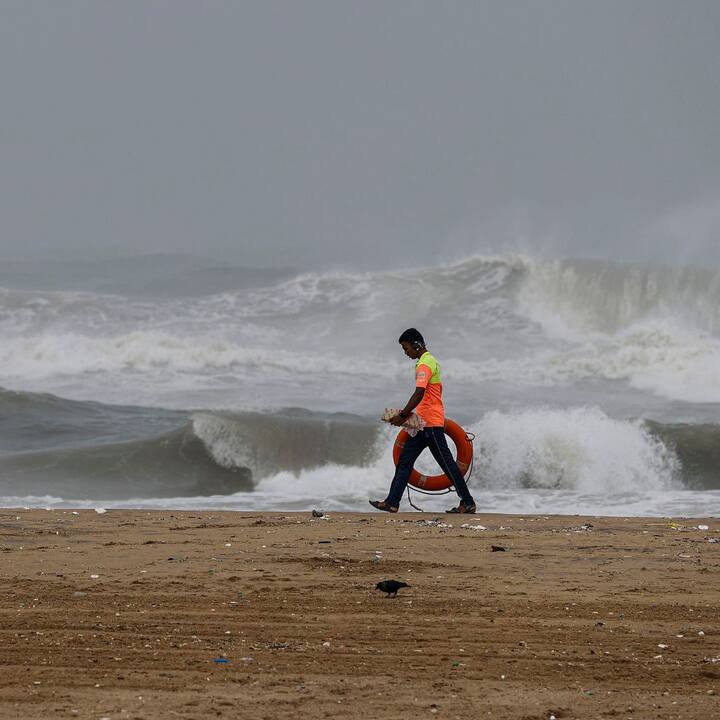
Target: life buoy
433 483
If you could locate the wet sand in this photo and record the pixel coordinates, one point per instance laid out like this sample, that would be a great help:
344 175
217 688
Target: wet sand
133 614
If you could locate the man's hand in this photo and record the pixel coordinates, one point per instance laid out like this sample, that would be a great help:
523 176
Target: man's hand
398 420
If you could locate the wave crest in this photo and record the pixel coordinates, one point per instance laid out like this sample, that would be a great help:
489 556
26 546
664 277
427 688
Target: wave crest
580 449
568 297
289 441
512 319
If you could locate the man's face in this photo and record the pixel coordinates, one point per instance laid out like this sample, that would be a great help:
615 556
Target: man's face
409 350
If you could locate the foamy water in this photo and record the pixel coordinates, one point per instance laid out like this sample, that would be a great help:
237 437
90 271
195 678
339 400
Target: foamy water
558 367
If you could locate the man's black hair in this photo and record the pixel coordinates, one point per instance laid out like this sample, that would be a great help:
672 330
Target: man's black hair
412 336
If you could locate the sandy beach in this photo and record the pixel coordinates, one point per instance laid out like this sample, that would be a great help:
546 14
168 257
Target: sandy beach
134 614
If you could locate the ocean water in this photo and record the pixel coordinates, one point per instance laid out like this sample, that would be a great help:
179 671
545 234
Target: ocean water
591 387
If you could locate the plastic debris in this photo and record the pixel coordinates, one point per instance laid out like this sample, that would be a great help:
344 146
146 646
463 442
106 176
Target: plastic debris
434 523
497 548
412 426
100 511
221 661
587 527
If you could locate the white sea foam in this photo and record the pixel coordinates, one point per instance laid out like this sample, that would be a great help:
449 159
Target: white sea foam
573 297
224 442
327 341
534 461
70 354
667 361
677 503
580 451
510 319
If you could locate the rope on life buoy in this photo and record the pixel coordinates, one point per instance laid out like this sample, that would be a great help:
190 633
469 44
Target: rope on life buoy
439 484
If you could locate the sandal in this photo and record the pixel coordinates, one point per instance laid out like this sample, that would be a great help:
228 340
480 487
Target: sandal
462 509
382 505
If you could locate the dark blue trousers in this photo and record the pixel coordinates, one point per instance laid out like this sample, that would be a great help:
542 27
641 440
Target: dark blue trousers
433 438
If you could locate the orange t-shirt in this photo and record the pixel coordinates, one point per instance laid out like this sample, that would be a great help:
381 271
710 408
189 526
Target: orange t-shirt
431 408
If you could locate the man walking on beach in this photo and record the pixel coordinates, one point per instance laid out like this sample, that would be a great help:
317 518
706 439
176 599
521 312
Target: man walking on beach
427 403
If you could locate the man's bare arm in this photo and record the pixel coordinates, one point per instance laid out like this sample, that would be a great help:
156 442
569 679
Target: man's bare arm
412 403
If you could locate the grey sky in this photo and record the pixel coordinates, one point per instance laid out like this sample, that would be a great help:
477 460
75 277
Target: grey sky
360 134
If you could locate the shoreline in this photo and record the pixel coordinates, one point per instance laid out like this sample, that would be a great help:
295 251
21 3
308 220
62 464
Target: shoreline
142 613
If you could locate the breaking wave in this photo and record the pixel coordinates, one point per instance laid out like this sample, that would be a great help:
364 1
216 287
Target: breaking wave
592 296
580 449
523 342
512 319
77 450
297 458
168 465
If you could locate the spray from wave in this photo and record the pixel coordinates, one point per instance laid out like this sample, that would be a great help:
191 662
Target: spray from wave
298 459
581 449
572 297
516 336
514 319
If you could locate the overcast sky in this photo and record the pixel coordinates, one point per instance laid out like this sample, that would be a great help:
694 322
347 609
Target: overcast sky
360 134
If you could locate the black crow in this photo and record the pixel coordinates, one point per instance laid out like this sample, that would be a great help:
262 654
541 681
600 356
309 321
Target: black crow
391 587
